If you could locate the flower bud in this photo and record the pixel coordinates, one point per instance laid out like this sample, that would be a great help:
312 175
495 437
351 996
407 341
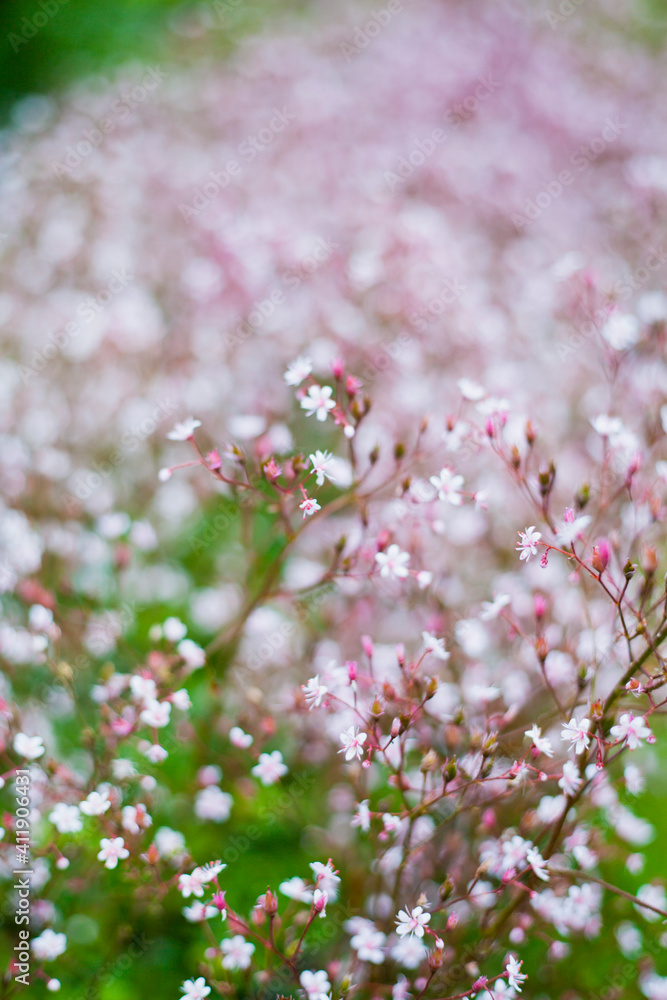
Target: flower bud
452 921
396 727
435 959
377 708
601 554
446 889
351 670
540 606
400 654
270 902
337 368
429 762
449 771
367 646
530 434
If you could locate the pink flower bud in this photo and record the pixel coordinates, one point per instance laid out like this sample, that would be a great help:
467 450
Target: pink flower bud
213 460
540 606
351 670
452 921
400 654
337 368
601 556
367 646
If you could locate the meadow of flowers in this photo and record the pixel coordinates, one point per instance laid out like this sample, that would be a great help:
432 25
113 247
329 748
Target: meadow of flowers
332 537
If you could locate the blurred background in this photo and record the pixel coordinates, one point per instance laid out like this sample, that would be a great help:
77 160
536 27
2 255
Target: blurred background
48 46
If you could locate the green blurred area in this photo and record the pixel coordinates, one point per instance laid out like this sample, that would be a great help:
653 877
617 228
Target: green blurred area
46 44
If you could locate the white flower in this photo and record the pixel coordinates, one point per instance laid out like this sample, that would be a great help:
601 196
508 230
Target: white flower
632 729
309 506
195 989
570 781
393 562
537 863
112 851
135 818
48 945
237 952
634 779
181 700
200 911
491 609
298 370
313 691
174 630
654 895
539 742
295 888
156 714
184 430
193 654
213 804
435 646
368 943
66 819
514 974
409 952
96 803
240 739
362 817
470 390
270 768
155 753
318 401
448 486
606 426
192 885
321 460
621 331
206 873
30 747
528 540
413 922
316 984
577 734
122 768
143 688
326 878
353 742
